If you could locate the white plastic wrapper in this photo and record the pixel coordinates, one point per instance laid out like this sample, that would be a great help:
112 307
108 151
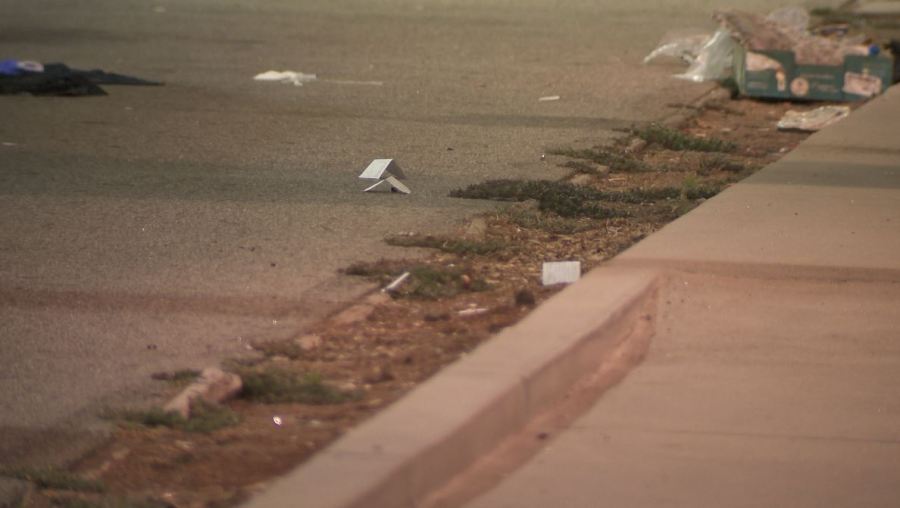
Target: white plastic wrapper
685 48
714 59
292 77
813 120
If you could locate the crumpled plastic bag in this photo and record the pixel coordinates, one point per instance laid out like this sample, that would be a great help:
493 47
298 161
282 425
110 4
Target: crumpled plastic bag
813 120
685 47
714 60
710 56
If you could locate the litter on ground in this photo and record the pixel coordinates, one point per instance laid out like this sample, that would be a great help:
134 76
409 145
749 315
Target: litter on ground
385 171
781 56
560 272
29 77
814 120
290 77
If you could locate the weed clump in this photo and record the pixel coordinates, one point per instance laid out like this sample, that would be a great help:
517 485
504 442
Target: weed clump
562 198
426 282
674 139
55 479
614 161
205 418
691 188
279 386
458 246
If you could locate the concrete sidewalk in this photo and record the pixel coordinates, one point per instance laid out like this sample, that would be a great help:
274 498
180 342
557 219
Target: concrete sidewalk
771 379
768 321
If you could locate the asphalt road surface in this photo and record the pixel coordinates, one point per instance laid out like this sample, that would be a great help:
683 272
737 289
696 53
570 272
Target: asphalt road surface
159 228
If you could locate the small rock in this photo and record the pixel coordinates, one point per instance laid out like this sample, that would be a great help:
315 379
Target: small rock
309 342
280 359
349 386
315 423
582 179
476 229
437 317
636 145
214 385
353 314
379 374
525 297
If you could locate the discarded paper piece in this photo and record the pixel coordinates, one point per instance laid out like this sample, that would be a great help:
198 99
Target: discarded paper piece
396 283
814 120
549 98
561 272
379 167
386 171
293 77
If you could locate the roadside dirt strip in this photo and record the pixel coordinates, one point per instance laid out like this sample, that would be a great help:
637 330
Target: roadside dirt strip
300 395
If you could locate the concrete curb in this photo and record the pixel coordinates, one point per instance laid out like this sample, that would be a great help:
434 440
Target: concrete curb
434 433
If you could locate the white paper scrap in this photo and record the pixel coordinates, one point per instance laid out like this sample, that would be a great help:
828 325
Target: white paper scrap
380 167
561 272
293 77
549 98
392 182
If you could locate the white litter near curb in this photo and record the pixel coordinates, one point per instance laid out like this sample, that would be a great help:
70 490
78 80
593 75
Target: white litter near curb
561 272
813 120
385 171
394 285
293 77
549 98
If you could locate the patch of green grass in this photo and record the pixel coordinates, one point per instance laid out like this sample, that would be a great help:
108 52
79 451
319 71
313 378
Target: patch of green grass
425 281
615 162
581 168
692 188
673 139
205 418
551 223
285 348
55 479
278 386
640 195
458 246
562 198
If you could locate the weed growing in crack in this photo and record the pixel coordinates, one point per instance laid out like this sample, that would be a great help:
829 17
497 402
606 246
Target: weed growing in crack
205 418
275 386
56 479
562 198
551 223
615 162
458 246
674 139
692 188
